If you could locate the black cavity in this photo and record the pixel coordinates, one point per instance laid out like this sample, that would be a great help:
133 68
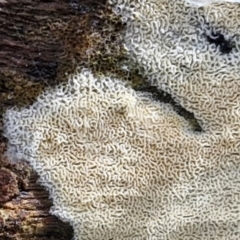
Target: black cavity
217 38
160 95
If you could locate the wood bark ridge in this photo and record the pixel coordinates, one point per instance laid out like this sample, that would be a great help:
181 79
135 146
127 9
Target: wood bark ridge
24 212
39 42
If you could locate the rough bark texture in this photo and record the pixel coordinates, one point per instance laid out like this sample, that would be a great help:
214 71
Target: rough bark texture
24 207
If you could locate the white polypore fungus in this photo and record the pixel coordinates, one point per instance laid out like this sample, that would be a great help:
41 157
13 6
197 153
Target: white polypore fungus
201 3
119 165
192 53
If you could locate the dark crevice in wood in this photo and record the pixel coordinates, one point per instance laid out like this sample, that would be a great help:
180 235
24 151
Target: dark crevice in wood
160 95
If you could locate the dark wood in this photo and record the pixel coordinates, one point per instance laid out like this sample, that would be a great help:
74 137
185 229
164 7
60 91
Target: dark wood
24 205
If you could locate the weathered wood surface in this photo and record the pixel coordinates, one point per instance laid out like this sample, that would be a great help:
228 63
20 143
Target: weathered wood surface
24 207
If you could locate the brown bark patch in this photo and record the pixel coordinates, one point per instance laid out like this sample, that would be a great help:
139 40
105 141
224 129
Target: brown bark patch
8 185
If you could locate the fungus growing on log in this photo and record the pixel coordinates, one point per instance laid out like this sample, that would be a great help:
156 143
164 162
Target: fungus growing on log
97 147
120 165
169 42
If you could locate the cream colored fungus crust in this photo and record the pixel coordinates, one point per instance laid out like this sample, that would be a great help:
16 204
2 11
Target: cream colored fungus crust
119 165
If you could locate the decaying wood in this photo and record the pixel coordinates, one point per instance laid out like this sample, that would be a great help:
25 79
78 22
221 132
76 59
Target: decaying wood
41 41
24 208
